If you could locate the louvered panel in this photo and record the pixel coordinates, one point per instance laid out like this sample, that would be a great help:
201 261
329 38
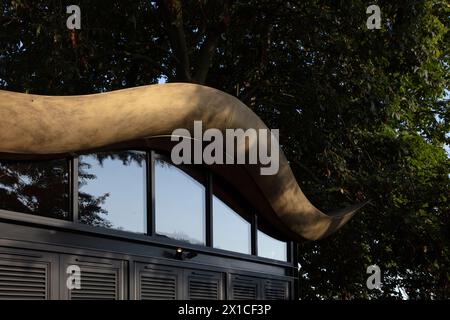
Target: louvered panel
204 286
276 290
101 279
21 280
96 286
157 282
158 288
244 288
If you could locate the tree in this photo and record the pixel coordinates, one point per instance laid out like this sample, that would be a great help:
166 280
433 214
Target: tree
362 113
42 188
30 188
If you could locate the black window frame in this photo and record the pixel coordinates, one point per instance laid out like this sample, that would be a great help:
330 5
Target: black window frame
150 235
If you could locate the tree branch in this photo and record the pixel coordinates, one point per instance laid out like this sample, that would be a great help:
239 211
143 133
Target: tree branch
209 46
172 13
204 58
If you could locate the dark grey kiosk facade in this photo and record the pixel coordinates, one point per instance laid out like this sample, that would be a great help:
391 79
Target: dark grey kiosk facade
180 233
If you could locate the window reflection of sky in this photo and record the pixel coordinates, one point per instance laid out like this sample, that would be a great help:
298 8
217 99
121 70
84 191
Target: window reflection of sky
179 204
125 183
231 231
269 247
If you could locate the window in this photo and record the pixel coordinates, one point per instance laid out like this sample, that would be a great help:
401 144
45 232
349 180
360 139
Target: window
230 231
179 204
35 187
271 248
112 191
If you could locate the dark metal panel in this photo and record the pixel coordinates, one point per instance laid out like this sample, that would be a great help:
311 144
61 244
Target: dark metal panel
101 279
156 282
27 274
244 288
203 285
98 267
276 290
118 241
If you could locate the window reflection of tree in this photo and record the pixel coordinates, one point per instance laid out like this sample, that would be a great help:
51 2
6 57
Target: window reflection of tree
127 157
39 187
91 208
181 236
42 187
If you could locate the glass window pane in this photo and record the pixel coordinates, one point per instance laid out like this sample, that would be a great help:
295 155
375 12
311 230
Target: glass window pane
35 187
179 204
112 190
271 248
231 231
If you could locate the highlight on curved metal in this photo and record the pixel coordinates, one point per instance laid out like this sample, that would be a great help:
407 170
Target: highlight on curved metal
50 125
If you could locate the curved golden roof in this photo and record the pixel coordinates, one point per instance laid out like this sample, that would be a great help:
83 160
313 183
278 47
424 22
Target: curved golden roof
51 125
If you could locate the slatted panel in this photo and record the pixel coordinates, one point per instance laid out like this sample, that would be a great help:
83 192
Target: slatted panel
244 288
157 283
276 290
96 285
22 281
101 279
204 286
158 288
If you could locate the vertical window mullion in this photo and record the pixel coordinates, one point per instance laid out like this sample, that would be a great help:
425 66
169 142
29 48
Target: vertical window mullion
290 251
209 210
74 189
151 218
294 257
254 235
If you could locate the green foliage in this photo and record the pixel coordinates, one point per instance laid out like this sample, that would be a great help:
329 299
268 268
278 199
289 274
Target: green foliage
362 113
